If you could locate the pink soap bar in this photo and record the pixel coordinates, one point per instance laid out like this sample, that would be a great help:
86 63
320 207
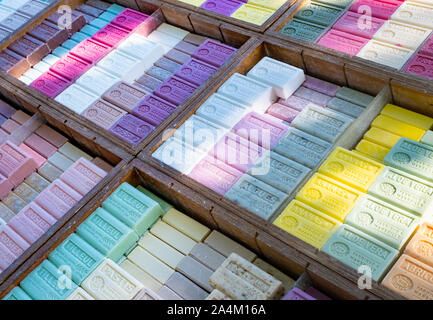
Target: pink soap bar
70 67
51 84
237 152
57 198
111 35
420 65
129 19
282 112
90 50
262 129
354 23
321 86
15 164
31 222
83 176
427 48
40 160
5 186
295 102
153 109
40 145
343 42
215 174
379 8
297 294
214 53
316 294
146 27
52 136
10 126
11 246
175 90
195 71
312 96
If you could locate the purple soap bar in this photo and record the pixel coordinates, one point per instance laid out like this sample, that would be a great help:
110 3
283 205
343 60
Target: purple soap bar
297 294
316 294
224 7
420 65
111 35
321 86
153 109
129 19
132 129
90 51
195 71
175 90
51 84
213 52
313 96
7 110
70 67
427 48
295 102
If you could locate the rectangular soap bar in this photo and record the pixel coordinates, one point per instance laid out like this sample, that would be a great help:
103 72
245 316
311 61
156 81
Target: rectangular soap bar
420 244
31 48
207 256
349 23
321 86
302 30
129 19
51 136
409 278
103 114
382 137
76 98
428 138
213 52
420 65
329 196
224 7
175 90
319 13
165 292
116 284
77 22
253 14
153 109
40 145
414 118
158 73
83 176
13 202
427 48
146 279
346 107
167 41
160 250
316 97
172 30
195 71
224 245
142 48
5 213
37 182
372 150
80 294
15 21
295 102
90 50
51 84
69 44
402 34
355 248
383 9
196 272
173 237
15 164
60 161
111 35
282 112
165 206
17 294
97 81
147 294
79 36
307 223
415 13
343 42
185 288
12 246
297 294
13 63
269 4
398 127
277 274
73 153
150 83
124 95
131 129
123 66
188 226
49 33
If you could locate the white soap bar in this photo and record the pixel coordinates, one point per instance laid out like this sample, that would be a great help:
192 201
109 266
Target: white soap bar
172 31
33 74
141 48
97 80
123 66
284 78
80 294
5 12
163 38
385 53
25 80
76 98
14 4
415 13
51 59
42 66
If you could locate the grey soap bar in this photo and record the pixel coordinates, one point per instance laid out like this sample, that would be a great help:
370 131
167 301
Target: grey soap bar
345 107
185 288
354 96
207 256
196 272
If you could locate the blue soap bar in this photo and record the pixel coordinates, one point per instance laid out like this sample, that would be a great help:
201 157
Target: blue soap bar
17 294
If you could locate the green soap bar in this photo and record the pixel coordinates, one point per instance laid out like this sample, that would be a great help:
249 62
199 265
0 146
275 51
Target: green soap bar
354 96
302 30
165 206
355 248
107 234
133 208
338 3
383 221
346 107
43 283
318 13
413 157
17 294
403 190
428 138
76 253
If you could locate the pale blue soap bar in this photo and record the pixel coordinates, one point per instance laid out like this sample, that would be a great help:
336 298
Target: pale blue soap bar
89 30
116 9
60 52
133 208
43 283
99 23
69 44
107 234
17 294
355 248
79 36
107 16
77 254
165 206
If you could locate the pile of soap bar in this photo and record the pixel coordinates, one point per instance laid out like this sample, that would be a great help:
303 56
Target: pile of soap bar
137 238
15 13
256 139
251 11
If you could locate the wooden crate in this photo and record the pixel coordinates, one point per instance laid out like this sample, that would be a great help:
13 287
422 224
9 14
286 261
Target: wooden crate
289 260
79 136
228 34
326 69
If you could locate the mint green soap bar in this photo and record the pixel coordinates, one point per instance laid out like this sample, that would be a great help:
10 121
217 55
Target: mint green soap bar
355 248
302 30
17 294
337 3
319 13
133 208
413 157
107 234
43 283
165 206
77 254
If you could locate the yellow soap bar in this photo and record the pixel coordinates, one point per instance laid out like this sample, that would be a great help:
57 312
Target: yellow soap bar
307 223
329 196
414 118
188 226
252 14
196 3
352 169
161 250
173 237
146 279
268 4
381 137
398 127
372 150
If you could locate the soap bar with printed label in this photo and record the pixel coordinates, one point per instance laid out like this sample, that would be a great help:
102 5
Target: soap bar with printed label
402 34
319 13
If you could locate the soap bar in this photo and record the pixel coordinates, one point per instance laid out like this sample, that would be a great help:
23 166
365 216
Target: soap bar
124 95
196 272
69 44
175 90
355 248
427 138
90 51
147 294
324 123
248 91
43 283
15 21
402 34
5 213
51 136
404 190
213 52
79 37
13 202
6 110
153 109
9 126
297 294
295 102
195 71
207 256
349 23
51 84
131 129
83 176
346 107
116 9
427 48
89 10
343 42
242 280
30 48
158 73
196 3
405 115
224 7
60 52
383 9
420 246
40 145
218 296
279 172
76 253
5 186
146 279
329 196
319 13
80 294
160 250
382 137
302 30
167 41
165 292
111 282
103 114
313 96
60 161
185 288
17 294
12 246
172 30
76 98
97 81
409 278
420 65
13 64
321 86
398 127
123 66
386 54
141 48
253 14
73 153
257 196
107 234
129 19
37 182
165 206
351 169
77 22
150 83
383 221
277 274
307 223
186 225
415 13
15 164
224 245
282 77
282 112
302 147
269 4
49 33
173 237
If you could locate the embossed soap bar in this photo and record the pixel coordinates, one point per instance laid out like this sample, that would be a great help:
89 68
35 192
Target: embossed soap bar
319 13
253 14
186 225
50 84
175 90
15 164
17 294
83 176
302 30
132 129
195 71
421 244
398 127
386 54
214 53
383 9
372 150
343 42
346 107
402 34
349 23
103 114
415 13
90 51
414 118
224 7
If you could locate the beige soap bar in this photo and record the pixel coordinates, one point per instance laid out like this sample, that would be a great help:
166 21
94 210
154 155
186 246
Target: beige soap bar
80 294
73 153
110 282
196 272
277 274
147 294
218 295
226 246
161 250
173 237
242 280
207 256
385 53
186 225
146 279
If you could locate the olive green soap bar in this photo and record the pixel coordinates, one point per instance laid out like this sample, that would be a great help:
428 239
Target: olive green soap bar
165 206
17 294
303 30
318 13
